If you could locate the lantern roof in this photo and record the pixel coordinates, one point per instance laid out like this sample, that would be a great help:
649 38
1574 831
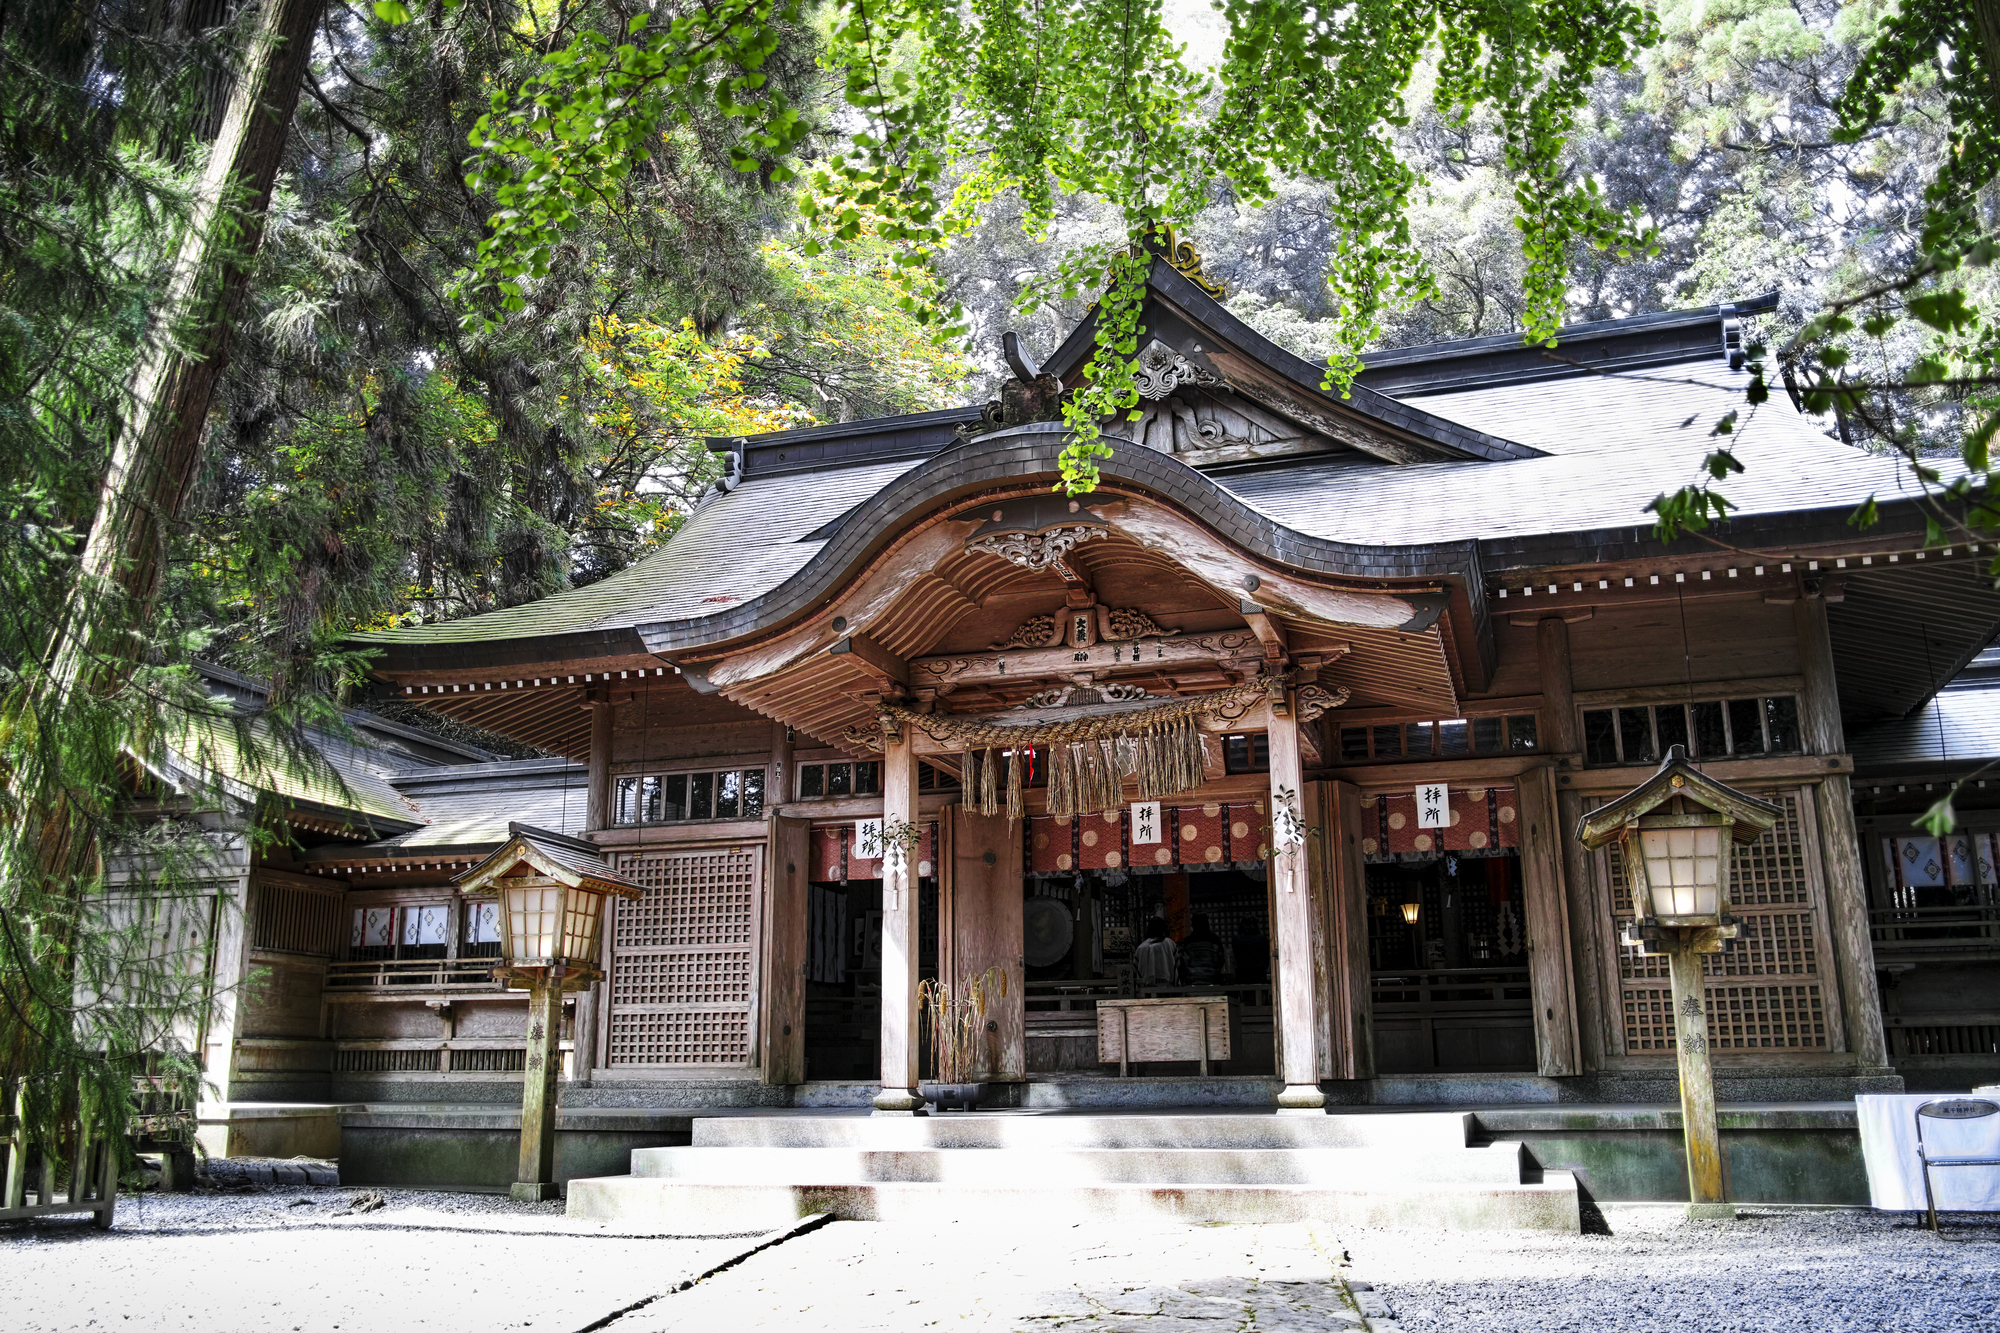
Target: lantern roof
1750 818
571 862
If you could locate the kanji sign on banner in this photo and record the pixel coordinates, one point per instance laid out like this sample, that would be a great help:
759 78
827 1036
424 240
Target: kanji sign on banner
1433 805
868 839
1145 822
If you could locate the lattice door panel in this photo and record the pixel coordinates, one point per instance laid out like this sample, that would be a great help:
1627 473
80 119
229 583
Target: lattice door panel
1765 992
682 959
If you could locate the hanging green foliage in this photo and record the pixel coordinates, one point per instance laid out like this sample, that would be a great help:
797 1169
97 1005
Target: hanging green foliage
951 106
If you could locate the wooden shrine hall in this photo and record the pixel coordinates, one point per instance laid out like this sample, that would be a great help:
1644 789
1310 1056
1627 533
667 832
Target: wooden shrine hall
1293 718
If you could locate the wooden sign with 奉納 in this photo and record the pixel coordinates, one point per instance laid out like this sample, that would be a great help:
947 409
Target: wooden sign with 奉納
1180 1027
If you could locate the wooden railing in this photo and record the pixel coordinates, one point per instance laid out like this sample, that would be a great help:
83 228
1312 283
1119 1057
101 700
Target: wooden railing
1453 990
1922 931
92 1176
389 974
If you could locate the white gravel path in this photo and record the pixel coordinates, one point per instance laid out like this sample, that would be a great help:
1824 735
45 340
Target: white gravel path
1771 1271
280 1261
270 1261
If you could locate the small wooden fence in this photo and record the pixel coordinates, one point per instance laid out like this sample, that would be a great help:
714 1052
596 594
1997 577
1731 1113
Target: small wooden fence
92 1176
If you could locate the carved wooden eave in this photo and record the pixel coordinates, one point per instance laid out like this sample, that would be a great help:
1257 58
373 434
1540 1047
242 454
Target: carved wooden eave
875 637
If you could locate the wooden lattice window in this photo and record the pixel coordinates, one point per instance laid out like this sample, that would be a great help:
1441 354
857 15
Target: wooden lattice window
682 965
294 918
1766 991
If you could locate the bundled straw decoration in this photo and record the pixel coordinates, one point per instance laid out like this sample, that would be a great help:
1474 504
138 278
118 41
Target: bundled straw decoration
1090 758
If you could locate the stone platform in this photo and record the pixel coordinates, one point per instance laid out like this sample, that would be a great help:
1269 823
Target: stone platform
750 1172
1787 1153
477 1147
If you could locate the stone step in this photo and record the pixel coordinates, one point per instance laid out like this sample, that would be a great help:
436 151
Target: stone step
983 1129
693 1208
1041 1168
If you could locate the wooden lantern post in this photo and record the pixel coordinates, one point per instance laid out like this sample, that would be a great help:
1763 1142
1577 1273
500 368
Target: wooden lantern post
553 890
1675 830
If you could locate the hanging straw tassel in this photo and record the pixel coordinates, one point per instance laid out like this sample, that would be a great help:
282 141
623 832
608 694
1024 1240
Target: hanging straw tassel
1015 808
1111 785
1088 777
989 783
1062 779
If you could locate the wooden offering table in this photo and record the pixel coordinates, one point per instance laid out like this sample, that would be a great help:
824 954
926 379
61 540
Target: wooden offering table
1178 1027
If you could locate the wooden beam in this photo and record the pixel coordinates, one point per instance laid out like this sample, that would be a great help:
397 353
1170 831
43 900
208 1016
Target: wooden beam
878 661
1559 726
1270 634
1101 659
598 813
1819 702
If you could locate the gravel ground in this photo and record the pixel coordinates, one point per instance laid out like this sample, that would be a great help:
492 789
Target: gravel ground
1095 1277
239 1258
1771 1271
254 1261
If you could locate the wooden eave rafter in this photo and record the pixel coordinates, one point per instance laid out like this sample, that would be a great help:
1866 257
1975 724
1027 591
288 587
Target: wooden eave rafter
824 680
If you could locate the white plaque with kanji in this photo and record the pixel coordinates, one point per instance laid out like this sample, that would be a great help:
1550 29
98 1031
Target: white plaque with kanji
868 840
1433 805
1145 822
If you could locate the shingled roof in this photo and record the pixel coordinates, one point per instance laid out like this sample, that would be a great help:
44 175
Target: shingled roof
1475 462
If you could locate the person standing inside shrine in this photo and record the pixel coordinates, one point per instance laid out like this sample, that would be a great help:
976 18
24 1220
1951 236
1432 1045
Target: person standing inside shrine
1202 955
1156 959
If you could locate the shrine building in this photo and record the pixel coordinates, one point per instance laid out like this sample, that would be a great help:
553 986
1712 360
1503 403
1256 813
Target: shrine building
1316 687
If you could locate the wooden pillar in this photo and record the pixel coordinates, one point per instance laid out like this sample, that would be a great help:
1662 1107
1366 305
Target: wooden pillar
979 927
536 1178
1833 805
1291 894
899 936
1706 1197
785 947
1547 920
229 977
583 1030
1340 880
1558 725
1591 939
598 813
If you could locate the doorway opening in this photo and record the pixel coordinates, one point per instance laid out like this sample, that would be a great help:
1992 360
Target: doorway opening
1082 937
1448 962
843 1001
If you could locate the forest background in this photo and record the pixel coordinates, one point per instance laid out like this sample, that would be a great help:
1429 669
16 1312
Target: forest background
387 443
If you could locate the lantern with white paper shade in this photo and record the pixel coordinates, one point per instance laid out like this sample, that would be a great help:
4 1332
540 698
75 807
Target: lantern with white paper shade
1676 828
552 891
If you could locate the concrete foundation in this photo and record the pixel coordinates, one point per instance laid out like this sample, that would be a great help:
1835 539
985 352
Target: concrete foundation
1799 1153
472 1148
270 1129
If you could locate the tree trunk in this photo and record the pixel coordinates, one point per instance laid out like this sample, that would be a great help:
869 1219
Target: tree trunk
186 349
158 446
